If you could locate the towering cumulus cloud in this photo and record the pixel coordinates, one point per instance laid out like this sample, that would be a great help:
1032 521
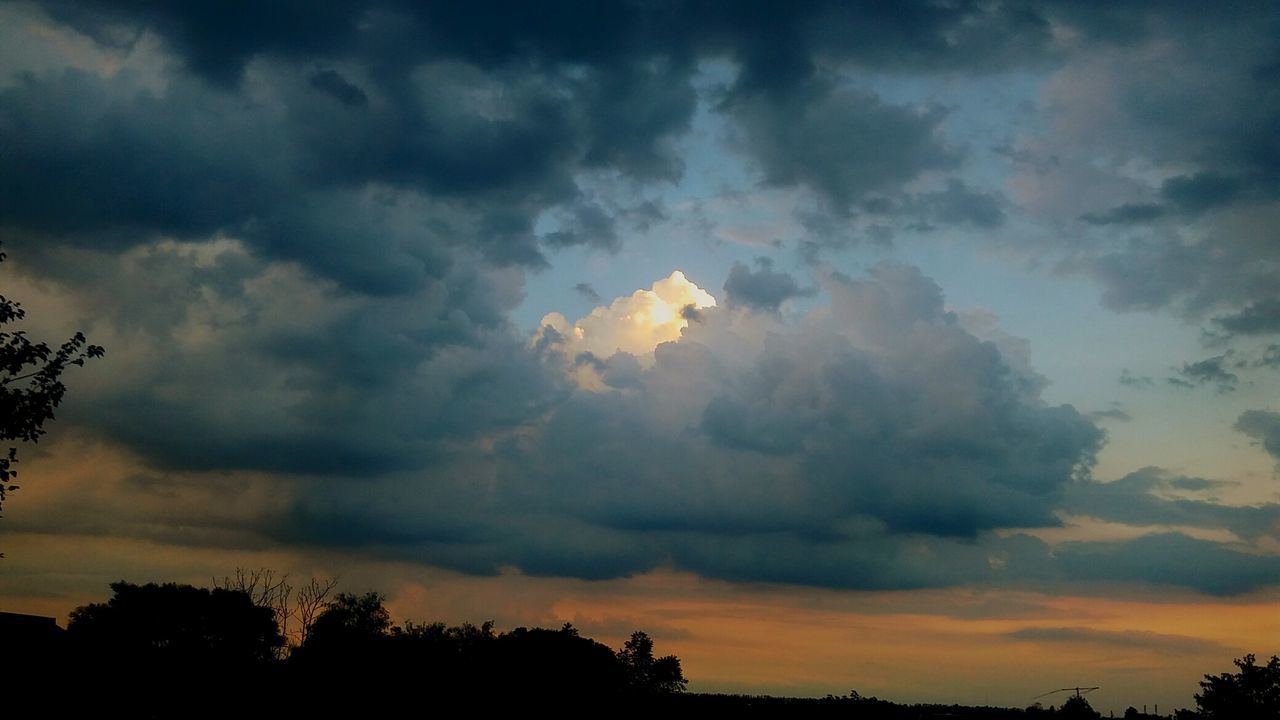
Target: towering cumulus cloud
825 451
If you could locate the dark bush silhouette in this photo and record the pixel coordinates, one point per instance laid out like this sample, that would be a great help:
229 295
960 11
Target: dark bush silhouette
1251 693
555 667
353 645
458 657
164 625
166 646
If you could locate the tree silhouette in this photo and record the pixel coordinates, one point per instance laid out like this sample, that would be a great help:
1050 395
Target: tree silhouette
352 618
271 589
165 625
30 384
1253 693
647 674
557 668
350 636
163 651
154 651
310 602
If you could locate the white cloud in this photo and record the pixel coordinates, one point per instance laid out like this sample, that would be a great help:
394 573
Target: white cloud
634 324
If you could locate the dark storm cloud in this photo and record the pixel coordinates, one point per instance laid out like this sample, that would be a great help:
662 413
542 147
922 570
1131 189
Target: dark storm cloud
879 463
1124 214
107 162
216 40
776 44
104 157
1257 318
1143 498
1147 274
1169 559
621 370
1230 147
1270 357
1122 639
112 160
399 184
865 563
1185 194
639 99
1263 426
763 288
1190 92
295 376
1201 191
587 224
842 143
332 82
692 314
813 459
814 433
500 100
1210 371
894 453
959 205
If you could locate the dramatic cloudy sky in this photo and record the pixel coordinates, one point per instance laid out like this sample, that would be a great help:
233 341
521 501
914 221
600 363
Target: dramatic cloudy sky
928 349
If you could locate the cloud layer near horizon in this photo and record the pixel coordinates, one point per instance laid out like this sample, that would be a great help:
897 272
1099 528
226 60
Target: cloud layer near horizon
873 443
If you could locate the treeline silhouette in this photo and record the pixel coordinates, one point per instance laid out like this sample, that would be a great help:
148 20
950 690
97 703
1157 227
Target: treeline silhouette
170 650
254 647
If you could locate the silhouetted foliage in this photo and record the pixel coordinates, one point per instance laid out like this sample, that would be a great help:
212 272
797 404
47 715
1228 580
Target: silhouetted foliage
350 637
1251 693
556 667
295 609
646 674
162 647
266 588
162 625
30 384
351 619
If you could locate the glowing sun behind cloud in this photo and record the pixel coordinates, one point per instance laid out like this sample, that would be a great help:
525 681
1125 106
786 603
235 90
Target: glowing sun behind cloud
634 324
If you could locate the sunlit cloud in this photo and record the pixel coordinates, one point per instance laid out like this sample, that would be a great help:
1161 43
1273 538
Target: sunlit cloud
635 324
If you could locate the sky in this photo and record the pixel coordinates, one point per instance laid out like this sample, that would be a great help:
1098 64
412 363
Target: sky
927 349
